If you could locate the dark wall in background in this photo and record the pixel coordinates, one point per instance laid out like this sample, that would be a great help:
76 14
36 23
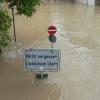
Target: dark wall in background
97 2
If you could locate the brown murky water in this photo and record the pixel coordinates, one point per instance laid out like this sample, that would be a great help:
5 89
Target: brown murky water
78 37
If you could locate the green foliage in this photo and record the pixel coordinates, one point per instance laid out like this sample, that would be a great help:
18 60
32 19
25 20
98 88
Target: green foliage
25 7
1 1
5 24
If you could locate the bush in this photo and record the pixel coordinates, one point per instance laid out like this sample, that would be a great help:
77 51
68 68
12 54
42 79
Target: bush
5 24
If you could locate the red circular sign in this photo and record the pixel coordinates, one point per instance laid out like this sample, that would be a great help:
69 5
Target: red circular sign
52 30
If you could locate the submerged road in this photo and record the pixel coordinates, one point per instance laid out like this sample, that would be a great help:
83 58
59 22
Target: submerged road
78 37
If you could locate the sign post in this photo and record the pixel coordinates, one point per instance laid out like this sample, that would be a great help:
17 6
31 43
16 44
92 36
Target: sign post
42 60
52 38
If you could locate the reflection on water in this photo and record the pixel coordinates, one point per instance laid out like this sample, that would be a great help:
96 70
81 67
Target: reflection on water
78 37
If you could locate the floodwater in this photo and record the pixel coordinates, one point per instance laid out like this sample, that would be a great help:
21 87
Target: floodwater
78 37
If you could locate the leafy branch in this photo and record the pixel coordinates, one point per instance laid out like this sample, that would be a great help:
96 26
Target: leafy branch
24 7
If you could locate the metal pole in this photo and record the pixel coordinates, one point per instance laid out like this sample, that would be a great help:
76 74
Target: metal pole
14 25
52 45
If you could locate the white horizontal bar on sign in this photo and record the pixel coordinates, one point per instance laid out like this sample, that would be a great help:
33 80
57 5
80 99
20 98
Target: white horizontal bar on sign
51 30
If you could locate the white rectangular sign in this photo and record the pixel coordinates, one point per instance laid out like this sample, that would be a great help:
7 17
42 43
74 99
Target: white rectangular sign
42 59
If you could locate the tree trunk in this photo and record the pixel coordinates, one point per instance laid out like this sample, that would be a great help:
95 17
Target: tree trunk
0 50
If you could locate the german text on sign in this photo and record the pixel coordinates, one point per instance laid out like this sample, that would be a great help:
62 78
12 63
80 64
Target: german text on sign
42 60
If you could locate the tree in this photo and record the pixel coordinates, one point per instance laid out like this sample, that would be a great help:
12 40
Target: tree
23 7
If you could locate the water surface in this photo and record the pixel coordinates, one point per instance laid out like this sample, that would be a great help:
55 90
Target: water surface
78 37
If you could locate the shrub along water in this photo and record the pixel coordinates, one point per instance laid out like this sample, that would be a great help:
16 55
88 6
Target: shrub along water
5 24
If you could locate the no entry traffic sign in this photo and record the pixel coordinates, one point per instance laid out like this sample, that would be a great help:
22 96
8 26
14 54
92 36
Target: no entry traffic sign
52 30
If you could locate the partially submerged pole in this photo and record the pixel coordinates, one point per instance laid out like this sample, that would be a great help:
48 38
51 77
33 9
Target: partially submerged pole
0 50
14 24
